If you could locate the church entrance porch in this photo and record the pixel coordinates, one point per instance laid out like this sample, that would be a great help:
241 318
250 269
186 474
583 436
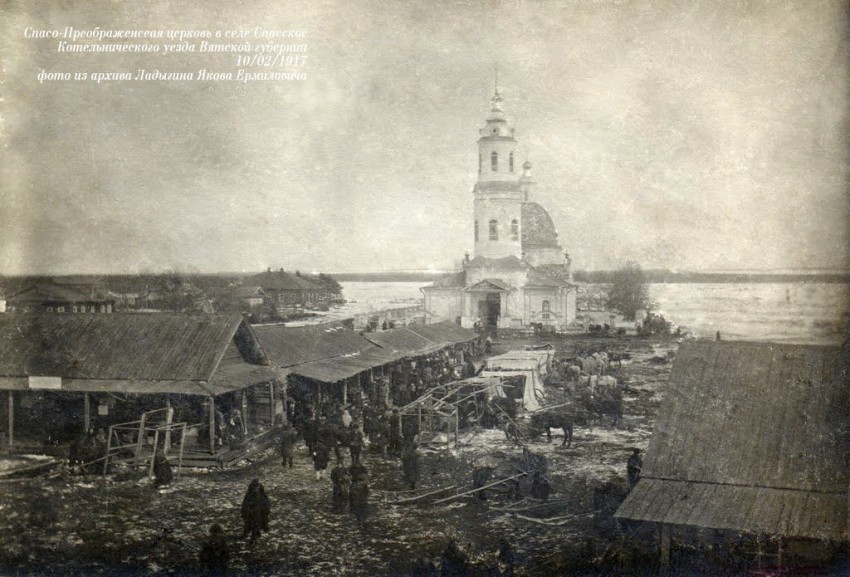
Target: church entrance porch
490 310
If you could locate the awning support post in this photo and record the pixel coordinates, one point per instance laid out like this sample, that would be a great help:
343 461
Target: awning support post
271 403
345 392
212 424
86 413
664 549
11 398
169 416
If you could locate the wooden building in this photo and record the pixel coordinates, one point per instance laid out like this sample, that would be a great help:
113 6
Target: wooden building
752 441
285 290
67 374
56 297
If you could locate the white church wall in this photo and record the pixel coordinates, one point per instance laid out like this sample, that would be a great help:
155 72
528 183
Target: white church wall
442 304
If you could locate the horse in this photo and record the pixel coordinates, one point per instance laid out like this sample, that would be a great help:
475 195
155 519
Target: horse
609 401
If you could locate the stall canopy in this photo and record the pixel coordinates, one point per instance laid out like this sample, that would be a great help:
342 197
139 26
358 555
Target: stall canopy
130 353
415 340
326 353
528 364
291 346
761 425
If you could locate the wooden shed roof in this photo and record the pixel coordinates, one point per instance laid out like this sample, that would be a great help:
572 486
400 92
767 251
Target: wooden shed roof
129 352
421 339
290 346
765 416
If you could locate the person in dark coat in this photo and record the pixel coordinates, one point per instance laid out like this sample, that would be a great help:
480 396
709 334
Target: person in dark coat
540 487
355 442
395 433
256 509
410 464
409 428
214 555
380 436
321 456
288 437
454 561
358 496
341 487
633 468
161 469
506 557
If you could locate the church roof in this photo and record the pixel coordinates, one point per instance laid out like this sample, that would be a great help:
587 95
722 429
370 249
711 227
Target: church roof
508 262
453 280
539 278
537 227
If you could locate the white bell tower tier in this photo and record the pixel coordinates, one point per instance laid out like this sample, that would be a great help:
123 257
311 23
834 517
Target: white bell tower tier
498 195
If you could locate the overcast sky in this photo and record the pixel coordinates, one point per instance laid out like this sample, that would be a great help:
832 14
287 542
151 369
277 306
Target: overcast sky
687 135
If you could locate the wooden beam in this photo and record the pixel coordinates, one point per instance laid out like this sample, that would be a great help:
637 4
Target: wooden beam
487 486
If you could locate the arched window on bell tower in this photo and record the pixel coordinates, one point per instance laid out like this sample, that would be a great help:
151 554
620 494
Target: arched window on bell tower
494 161
494 228
514 230
511 161
476 231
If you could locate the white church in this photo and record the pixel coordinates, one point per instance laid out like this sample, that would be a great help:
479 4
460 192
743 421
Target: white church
519 275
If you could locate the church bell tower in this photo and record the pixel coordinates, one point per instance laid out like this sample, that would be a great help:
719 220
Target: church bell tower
498 195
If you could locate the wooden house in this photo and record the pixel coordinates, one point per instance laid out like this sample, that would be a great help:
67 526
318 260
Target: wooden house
66 374
55 297
286 290
752 441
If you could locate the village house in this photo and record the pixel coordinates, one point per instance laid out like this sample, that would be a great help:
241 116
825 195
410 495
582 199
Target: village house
285 290
519 275
750 450
59 295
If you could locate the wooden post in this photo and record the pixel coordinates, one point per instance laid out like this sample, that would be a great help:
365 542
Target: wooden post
108 449
271 403
345 392
182 444
86 415
11 398
153 454
141 439
244 411
212 424
169 416
664 548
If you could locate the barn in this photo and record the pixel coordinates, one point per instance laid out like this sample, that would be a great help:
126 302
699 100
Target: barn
750 446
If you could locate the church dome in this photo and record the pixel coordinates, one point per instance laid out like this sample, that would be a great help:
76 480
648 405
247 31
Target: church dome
537 227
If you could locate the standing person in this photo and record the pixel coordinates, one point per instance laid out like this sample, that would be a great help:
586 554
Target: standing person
288 437
161 469
358 496
256 508
214 555
355 442
633 468
410 464
380 434
454 561
395 433
341 487
321 456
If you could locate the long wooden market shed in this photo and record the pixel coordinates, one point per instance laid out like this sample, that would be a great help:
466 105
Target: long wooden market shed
752 440
67 374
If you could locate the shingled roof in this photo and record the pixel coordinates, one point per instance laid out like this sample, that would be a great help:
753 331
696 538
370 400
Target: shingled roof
751 437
